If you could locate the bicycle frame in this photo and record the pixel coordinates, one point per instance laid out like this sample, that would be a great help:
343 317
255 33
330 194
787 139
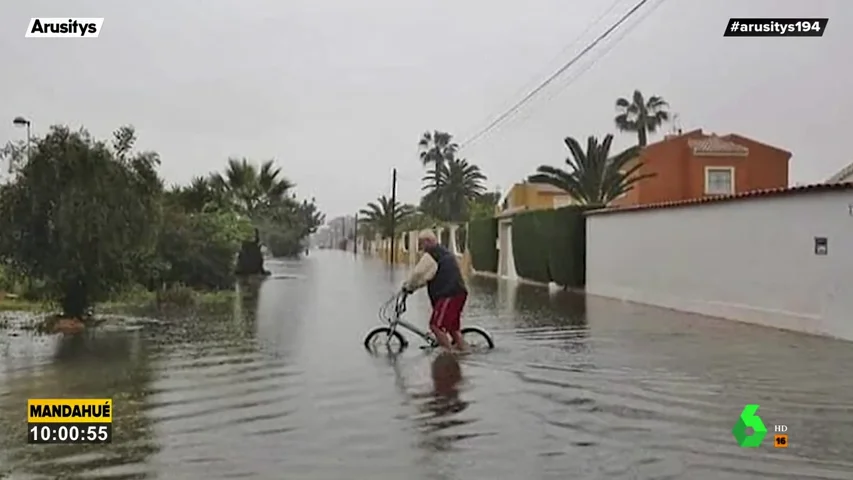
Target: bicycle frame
399 309
412 328
393 318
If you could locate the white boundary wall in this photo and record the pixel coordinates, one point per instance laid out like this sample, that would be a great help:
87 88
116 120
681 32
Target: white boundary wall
751 260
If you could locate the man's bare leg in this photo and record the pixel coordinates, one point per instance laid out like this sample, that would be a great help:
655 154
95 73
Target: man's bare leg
440 337
459 341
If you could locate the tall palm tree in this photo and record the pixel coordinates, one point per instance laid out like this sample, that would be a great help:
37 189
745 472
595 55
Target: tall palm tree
594 177
641 116
253 189
382 218
436 148
451 188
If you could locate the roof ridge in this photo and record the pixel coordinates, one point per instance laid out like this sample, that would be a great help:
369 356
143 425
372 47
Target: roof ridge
716 143
707 200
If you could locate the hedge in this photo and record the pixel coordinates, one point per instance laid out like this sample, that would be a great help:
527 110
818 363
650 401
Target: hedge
531 238
550 246
567 259
482 240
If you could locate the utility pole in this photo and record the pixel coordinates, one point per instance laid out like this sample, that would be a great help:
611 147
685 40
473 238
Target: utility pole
393 214
355 235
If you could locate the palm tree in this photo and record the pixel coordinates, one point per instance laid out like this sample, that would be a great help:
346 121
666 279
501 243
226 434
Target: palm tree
200 195
451 188
253 189
418 220
641 116
436 148
382 218
594 177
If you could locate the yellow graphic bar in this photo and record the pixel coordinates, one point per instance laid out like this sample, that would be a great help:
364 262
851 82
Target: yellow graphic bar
69 410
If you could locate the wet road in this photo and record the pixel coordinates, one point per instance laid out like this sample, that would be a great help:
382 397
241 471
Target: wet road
280 387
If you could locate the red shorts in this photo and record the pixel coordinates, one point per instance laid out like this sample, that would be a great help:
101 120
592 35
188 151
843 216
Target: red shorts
447 312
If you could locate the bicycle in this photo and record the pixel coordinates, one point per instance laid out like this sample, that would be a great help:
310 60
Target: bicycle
391 312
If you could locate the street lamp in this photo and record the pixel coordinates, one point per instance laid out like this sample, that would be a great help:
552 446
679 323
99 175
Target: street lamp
21 122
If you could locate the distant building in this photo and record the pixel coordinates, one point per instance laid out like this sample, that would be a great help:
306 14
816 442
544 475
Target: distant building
532 196
523 197
334 232
322 237
697 165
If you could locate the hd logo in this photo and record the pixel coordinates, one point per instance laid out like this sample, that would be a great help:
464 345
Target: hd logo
41 27
749 420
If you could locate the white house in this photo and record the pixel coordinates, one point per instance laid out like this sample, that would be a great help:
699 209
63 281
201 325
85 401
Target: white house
780 258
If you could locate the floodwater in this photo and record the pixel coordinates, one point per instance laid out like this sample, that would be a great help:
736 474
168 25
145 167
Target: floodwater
279 387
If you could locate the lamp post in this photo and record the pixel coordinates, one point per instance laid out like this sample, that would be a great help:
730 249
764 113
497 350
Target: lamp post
23 122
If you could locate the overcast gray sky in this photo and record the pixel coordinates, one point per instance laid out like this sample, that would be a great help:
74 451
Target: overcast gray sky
338 92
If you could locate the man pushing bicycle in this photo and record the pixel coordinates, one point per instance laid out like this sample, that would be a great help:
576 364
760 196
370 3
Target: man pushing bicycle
439 270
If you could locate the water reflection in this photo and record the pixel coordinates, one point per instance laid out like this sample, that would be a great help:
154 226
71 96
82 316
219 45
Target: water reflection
439 405
105 365
446 376
246 306
278 385
537 306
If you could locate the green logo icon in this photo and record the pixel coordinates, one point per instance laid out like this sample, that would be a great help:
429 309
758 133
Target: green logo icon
748 419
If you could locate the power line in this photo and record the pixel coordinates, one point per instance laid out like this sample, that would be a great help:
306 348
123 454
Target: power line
563 51
603 53
555 75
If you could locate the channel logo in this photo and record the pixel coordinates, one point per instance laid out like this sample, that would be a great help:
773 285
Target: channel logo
44 27
749 419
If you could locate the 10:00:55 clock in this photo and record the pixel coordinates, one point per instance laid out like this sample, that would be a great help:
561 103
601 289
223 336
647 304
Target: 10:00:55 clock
69 433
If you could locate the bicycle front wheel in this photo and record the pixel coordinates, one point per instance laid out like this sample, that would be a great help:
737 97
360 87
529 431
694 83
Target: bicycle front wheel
384 339
477 339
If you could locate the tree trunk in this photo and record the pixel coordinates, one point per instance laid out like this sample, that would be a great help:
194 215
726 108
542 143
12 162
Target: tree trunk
75 299
250 260
641 137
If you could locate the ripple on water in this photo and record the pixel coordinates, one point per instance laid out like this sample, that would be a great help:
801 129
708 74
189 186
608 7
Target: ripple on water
576 389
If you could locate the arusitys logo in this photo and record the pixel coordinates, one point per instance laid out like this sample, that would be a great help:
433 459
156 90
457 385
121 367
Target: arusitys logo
64 27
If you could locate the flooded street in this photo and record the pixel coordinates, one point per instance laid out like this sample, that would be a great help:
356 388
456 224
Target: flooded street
280 387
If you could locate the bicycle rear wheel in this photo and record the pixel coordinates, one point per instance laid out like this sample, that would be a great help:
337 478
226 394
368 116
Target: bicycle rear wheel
384 339
477 339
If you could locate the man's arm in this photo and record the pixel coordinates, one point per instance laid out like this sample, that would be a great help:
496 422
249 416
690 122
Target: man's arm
423 272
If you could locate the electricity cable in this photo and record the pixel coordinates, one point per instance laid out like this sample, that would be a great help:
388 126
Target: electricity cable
603 53
560 55
555 75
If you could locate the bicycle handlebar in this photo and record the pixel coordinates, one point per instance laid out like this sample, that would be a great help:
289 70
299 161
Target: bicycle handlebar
398 301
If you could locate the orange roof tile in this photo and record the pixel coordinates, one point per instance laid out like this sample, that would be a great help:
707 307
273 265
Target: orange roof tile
716 145
770 192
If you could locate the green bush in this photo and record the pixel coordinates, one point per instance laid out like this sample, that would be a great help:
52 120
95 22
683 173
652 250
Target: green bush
550 246
79 216
7 280
482 239
178 295
198 250
567 255
283 243
531 242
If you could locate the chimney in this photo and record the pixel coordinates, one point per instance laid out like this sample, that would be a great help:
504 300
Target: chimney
676 128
